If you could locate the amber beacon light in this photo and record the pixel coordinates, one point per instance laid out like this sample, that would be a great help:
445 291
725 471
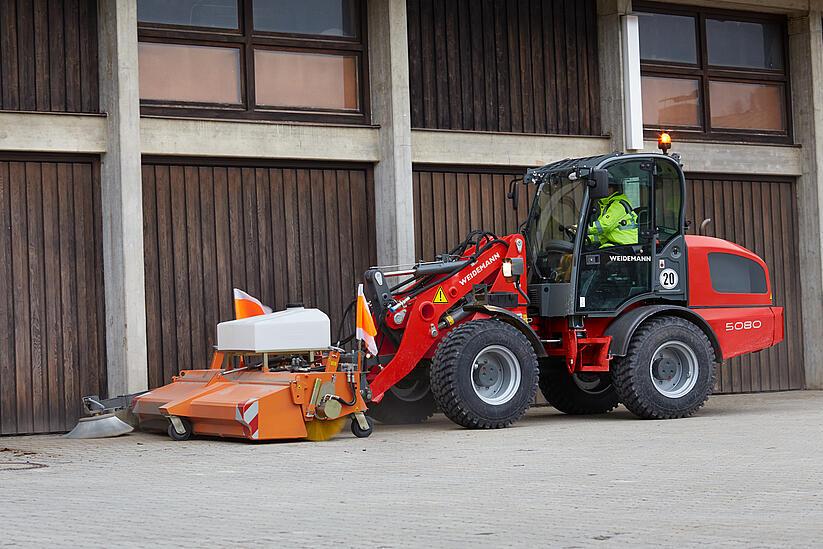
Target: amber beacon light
664 142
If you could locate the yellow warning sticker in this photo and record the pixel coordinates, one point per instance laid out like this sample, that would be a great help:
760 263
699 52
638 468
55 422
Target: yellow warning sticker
440 296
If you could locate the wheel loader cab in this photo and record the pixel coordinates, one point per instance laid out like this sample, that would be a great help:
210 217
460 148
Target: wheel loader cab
597 255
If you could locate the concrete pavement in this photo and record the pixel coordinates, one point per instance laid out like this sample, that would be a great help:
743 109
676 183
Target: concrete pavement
746 472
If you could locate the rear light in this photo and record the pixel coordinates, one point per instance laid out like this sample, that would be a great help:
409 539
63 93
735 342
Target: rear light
779 326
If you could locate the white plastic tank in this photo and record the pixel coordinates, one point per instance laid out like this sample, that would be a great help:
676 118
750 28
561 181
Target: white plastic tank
295 329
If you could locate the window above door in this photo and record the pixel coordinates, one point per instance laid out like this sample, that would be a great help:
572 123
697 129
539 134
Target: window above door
260 59
714 74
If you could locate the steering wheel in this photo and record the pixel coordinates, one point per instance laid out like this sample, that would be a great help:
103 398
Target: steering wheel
571 231
547 260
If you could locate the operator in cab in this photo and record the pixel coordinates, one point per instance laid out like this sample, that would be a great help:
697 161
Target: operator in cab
616 221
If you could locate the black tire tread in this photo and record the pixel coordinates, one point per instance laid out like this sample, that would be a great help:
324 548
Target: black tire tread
393 411
560 391
624 367
444 384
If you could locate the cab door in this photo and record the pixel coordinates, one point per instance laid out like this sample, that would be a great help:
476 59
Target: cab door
670 273
614 270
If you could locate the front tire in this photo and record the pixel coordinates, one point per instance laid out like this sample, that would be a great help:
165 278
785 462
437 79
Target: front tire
669 371
580 393
484 375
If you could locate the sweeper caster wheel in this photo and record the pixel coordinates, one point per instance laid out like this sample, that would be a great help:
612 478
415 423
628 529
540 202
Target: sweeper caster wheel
185 424
358 431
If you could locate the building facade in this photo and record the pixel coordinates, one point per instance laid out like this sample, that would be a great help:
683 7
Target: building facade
154 155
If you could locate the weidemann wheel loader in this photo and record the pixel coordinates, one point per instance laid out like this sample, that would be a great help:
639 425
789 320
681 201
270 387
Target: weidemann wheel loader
476 332
644 324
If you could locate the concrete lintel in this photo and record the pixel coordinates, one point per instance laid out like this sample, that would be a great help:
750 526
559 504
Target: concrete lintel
122 200
52 132
500 149
762 6
195 137
736 158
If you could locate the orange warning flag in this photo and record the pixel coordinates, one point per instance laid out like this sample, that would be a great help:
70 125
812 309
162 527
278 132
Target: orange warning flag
246 305
365 323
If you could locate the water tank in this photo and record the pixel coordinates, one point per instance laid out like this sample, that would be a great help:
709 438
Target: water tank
292 330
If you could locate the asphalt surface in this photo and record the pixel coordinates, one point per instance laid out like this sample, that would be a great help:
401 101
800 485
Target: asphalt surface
746 472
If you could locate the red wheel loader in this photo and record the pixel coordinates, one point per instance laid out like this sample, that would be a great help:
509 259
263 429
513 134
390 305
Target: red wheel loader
643 319
591 323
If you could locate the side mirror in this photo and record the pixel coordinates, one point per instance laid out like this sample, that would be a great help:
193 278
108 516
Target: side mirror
514 192
598 183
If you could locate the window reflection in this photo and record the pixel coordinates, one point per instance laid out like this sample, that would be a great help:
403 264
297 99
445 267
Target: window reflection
744 44
736 105
197 13
320 17
294 79
670 102
665 37
198 74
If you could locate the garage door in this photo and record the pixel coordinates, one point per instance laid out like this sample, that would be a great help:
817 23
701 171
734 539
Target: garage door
761 215
52 346
284 233
448 203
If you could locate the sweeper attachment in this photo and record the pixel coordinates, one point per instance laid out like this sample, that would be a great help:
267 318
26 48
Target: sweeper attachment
272 377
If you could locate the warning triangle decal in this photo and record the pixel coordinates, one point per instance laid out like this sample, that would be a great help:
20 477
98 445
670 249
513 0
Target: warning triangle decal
440 296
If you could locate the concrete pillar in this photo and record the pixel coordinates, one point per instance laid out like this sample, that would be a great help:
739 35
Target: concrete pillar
806 61
391 110
122 199
610 57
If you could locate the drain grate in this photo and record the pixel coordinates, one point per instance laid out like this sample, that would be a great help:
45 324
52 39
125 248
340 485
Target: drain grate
20 465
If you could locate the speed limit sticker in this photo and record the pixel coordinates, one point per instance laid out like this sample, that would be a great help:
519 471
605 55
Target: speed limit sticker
669 279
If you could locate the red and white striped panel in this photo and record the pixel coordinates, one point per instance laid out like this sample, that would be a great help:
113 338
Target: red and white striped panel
247 416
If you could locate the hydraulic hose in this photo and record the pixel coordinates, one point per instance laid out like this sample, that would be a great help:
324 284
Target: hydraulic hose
343 324
478 251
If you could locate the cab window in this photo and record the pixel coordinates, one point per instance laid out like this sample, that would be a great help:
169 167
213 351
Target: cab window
668 203
733 274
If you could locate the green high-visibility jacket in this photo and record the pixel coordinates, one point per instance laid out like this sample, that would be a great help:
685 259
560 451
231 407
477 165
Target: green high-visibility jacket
616 223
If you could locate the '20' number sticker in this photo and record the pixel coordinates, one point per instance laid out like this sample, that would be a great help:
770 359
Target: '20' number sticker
669 279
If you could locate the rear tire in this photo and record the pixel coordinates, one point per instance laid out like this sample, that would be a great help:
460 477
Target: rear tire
669 371
579 393
484 375
410 401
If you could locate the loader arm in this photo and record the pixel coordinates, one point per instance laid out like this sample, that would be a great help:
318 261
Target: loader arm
430 315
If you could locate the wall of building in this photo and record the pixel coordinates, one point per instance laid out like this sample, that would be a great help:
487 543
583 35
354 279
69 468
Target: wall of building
438 128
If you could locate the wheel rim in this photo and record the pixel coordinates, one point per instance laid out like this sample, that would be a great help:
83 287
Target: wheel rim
593 384
674 369
495 375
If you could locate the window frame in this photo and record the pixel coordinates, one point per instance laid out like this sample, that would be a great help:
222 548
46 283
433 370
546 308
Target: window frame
245 38
704 74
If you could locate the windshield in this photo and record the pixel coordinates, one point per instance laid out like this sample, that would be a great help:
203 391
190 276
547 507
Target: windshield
552 226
